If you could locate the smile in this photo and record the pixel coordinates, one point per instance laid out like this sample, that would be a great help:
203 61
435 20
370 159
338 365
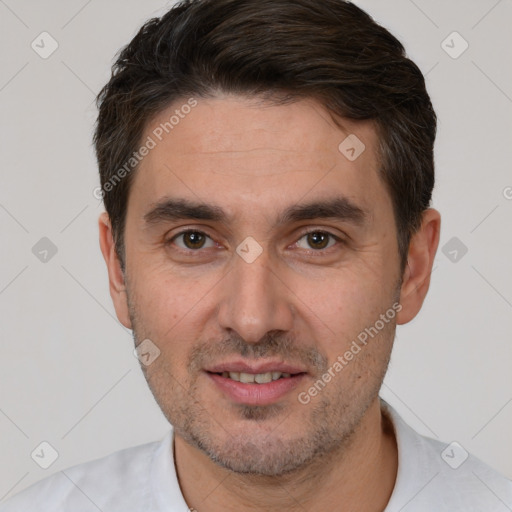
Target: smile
262 388
259 378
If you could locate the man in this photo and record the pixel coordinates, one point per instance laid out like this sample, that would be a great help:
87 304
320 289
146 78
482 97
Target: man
267 171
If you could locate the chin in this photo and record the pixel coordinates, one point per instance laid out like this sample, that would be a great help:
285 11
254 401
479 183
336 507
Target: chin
262 450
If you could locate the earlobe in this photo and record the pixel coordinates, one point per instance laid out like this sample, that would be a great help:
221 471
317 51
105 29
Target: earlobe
420 259
115 274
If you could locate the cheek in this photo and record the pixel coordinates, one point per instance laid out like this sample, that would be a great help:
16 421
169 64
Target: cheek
171 308
342 321
160 304
345 301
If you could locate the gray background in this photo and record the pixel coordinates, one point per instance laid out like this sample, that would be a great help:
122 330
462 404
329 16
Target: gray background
68 375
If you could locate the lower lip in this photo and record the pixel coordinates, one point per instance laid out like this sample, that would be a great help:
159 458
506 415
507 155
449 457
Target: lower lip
256 394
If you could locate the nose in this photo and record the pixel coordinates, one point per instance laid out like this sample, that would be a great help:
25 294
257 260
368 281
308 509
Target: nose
255 299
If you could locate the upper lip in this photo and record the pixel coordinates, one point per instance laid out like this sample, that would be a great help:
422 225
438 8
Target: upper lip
255 368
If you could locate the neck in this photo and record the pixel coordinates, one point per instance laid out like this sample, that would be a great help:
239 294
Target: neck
359 476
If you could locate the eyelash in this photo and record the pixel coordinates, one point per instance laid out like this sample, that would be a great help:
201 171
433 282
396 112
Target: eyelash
314 251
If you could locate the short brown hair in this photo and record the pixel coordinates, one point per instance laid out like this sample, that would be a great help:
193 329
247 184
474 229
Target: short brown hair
282 50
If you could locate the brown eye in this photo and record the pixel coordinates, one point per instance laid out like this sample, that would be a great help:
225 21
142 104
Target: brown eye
317 240
192 240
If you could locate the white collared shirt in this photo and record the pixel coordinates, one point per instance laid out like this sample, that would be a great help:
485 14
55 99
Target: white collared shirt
143 479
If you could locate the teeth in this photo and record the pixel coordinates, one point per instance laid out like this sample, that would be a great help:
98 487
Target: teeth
263 378
260 378
246 378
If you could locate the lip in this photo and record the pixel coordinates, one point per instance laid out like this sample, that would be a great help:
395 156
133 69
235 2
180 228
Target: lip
256 394
267 366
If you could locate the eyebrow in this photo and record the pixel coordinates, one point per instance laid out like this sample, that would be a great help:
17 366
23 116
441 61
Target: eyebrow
339 208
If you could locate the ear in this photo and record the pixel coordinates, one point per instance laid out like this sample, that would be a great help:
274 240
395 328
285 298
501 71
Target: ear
420 259
115 274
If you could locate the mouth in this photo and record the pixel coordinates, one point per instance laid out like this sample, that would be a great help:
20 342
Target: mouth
255 385
251 378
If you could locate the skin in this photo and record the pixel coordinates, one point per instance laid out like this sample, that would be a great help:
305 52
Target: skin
299 302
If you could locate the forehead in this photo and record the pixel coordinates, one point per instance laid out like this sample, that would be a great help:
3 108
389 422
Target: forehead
241 147
234 125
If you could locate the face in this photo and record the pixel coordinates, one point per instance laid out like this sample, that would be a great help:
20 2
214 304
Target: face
255 249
